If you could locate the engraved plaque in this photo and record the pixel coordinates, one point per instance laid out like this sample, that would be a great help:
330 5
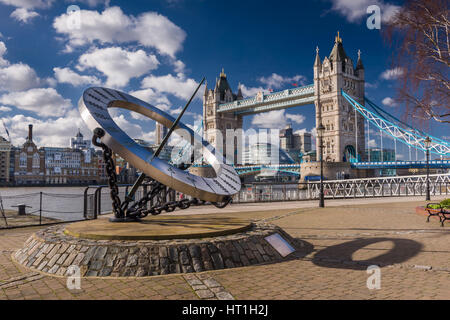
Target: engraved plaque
279 244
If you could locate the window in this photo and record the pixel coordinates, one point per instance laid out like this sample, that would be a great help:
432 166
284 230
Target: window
36 161
23 160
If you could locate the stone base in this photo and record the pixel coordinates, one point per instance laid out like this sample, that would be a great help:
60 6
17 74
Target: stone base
165 227
53 251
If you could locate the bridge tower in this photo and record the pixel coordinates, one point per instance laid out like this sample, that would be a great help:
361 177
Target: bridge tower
215 124
343 138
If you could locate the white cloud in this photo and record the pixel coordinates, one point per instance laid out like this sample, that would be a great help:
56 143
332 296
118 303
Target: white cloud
3 50
5 109
18 77
117 64
66 75
29 4
356 10
23 15
45 102
156 99
296 118
388 101
46 132
149 29
196 116
179 86
179 66
133 130
392 74
369 85
251 92
276 119
275 81
52 82
300 131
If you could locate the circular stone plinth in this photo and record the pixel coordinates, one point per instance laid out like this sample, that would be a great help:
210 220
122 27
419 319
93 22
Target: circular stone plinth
52 251
159 228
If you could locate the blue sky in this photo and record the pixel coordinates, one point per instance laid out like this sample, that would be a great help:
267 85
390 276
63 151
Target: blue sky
160 49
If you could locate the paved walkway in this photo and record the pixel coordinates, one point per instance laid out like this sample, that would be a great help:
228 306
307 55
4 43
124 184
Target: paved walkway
296 205
342 241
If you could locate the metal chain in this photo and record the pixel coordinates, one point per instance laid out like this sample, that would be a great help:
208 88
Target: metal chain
110 172
139 208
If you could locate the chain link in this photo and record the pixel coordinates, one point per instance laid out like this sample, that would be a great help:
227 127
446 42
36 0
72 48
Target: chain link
110 172
157 190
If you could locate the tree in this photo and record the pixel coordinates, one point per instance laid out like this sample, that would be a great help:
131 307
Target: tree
420 30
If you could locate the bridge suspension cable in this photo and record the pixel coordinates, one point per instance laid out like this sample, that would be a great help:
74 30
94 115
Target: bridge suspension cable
406 134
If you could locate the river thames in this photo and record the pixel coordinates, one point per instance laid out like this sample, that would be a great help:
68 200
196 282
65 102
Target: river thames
64 203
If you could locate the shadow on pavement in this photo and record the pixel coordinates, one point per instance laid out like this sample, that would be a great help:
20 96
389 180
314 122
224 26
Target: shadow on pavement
302 249
341 255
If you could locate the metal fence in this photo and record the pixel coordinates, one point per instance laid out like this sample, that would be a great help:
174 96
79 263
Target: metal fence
47 208
400 186
260 192
41 208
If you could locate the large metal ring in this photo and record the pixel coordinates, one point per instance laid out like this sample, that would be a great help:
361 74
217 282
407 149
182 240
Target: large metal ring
93 107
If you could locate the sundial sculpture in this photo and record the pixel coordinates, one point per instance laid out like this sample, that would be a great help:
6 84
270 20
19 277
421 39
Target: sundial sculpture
157 174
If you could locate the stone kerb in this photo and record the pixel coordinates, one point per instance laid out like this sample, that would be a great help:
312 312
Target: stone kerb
51 251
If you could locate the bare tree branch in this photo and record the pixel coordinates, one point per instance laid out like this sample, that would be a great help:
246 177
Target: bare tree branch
421 28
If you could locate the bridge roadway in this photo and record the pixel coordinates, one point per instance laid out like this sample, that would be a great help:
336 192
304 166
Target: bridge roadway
274 101
434 164
295 168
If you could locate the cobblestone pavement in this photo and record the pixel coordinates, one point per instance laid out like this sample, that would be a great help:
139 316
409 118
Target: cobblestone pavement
414 257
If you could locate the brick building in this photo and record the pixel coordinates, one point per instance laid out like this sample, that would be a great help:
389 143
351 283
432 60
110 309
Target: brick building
70 166
29 165
5 161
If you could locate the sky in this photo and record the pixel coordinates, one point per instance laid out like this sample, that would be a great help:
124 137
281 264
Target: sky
159 50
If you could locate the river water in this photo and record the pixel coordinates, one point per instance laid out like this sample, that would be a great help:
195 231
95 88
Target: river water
64 203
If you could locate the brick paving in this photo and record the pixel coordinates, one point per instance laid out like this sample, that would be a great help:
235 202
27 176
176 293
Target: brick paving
414 257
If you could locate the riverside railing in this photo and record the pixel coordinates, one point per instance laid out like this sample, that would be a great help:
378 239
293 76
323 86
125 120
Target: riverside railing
41 208
47 208
398 186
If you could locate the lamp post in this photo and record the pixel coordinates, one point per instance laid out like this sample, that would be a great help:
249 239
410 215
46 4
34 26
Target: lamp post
427 143
320 130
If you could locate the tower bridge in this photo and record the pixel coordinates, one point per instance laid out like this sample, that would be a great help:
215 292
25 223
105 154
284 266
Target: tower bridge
338 94
222 109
